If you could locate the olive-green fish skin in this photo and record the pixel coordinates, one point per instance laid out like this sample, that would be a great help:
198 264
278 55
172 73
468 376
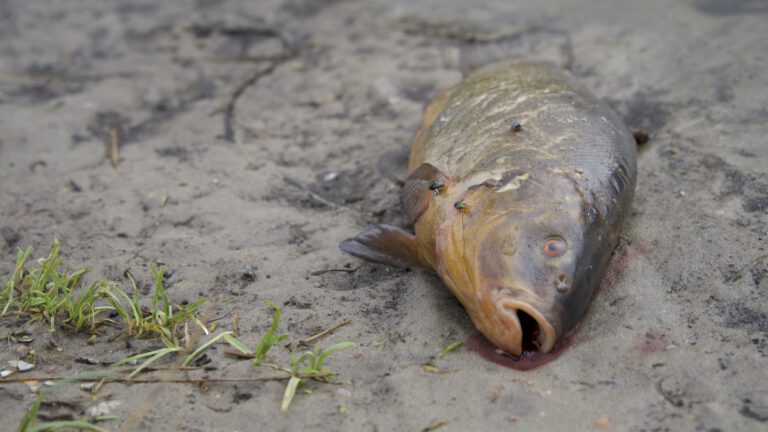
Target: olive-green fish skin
560 123
519 183
580 163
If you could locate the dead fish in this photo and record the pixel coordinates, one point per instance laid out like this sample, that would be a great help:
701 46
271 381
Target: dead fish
519 183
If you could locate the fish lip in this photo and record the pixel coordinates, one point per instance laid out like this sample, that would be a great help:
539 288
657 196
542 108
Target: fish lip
547 336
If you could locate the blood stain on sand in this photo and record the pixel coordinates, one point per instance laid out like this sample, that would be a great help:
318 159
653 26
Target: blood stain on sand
529 360
624 258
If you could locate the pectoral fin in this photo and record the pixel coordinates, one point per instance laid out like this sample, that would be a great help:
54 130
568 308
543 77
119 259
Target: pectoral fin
416 191
385 244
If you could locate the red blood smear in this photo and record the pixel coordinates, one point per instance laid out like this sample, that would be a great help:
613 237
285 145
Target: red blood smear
529 360
625 257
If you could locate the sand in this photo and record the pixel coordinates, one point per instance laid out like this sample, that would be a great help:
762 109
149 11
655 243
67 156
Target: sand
259 134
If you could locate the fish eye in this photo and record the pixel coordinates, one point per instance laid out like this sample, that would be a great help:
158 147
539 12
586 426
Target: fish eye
555 246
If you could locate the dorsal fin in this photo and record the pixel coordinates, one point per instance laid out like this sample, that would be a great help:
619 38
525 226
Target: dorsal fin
417 193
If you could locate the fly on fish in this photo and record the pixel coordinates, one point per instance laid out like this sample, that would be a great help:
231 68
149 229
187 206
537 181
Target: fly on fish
519 181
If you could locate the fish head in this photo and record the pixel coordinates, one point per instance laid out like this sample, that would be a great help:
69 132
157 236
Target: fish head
523 255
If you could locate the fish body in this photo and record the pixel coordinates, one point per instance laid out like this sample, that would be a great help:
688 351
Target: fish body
519 181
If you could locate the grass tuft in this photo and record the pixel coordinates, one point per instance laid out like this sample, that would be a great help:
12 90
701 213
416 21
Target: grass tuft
46 293
161 320
271 338
314 369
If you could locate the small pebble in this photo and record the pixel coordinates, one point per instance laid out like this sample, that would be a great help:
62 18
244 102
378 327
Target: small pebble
22 351
331 176
343 393
25 339
5 373
248 272
23 366
602 423
103 408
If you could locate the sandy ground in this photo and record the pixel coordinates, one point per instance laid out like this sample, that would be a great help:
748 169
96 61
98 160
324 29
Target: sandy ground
251 133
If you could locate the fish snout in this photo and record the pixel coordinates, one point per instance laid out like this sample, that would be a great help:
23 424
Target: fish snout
527 330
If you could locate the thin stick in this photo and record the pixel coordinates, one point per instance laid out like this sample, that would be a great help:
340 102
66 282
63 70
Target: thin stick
345 270
98 386
114 145
239 354
152 381
324 333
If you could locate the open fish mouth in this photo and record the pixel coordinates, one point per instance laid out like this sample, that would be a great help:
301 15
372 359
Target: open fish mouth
527 329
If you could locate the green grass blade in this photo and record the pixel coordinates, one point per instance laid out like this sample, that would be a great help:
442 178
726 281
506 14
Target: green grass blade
187 310
290 392
159 298
204 347
155 355
330 350
296 362
138 357
270 338
109 290
235 343
9 289
82 309
163 293
26 423
135 306
70 424
201 325
169 342
449 348
31 415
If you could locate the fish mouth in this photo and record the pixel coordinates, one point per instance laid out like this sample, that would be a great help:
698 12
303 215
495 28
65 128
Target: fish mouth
527 329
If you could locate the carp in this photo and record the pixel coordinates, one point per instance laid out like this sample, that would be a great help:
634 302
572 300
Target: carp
519 181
